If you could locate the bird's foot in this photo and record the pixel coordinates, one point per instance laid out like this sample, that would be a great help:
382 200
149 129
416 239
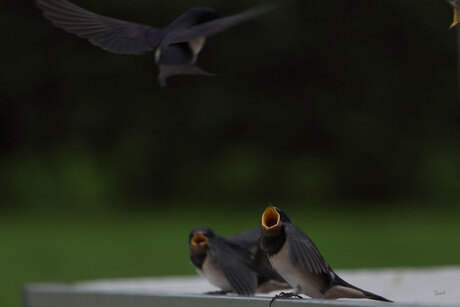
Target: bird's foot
216 293
284 295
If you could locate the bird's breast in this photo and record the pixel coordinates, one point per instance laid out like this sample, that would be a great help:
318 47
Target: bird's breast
212 272
303 280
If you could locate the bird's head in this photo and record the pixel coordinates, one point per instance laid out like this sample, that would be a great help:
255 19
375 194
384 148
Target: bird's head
199 238
273 219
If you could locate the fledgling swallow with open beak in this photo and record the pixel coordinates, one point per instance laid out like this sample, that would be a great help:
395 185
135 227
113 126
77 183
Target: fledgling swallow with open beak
177 45
229 264
297 259
455 6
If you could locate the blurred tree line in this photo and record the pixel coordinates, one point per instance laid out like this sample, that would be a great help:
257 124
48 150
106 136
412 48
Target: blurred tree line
317 101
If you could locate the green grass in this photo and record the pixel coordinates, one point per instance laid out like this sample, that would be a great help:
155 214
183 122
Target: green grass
71 247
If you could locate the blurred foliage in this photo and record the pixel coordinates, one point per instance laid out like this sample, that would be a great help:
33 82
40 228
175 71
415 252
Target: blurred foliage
317 101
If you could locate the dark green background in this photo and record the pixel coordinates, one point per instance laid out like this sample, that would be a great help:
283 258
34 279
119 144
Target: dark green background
344 113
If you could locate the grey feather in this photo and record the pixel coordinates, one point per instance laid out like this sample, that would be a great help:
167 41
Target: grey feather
303 251
215 26
111 34
236 264
248 238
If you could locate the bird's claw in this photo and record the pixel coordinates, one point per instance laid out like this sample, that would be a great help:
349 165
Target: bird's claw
284 295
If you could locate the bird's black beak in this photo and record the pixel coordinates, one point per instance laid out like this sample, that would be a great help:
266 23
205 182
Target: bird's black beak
270 218
454 5
199 239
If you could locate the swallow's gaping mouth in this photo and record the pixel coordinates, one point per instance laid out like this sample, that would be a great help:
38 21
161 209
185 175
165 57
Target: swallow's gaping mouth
454 5
199 239
270 218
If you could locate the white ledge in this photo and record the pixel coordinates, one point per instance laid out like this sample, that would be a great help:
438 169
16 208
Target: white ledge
407 287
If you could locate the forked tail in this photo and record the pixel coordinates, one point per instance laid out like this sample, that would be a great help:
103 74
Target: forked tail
167 71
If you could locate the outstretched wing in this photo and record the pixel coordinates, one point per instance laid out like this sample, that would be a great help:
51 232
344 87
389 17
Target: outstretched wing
236 264
303 252
217 25
110 34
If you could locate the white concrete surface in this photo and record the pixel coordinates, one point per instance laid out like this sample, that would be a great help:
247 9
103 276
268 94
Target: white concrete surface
430 287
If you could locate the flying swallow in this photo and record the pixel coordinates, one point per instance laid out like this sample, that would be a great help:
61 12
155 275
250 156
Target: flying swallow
297 259
177 45
455 6
229 264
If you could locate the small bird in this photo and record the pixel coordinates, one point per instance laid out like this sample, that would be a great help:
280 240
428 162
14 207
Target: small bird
296 258
177 45
455 7
227 262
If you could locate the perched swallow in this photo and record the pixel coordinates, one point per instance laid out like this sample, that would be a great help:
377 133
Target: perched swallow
229 264
296 258
177 45
455 6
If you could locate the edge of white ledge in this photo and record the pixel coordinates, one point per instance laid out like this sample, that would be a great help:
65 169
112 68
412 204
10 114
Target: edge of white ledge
406 286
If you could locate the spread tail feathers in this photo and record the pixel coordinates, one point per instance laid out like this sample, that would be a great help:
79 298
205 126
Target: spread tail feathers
167 71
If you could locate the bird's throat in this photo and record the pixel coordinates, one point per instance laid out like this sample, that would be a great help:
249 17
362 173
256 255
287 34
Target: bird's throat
198 255
272 240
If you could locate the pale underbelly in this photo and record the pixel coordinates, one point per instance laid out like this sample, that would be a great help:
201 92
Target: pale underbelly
302 281
214 275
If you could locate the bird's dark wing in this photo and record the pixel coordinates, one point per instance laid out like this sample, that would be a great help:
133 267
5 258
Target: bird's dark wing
215 26
236 264
111 34
303 251
248 238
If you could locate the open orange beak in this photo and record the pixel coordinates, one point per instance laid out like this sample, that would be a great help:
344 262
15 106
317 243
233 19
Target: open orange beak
270 218
454 5
199 239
